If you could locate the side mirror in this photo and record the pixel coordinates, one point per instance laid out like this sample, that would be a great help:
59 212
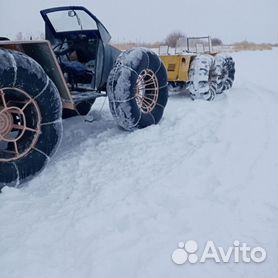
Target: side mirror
71 13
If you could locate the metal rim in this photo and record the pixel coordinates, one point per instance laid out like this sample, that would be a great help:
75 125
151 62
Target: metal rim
147 91
16 106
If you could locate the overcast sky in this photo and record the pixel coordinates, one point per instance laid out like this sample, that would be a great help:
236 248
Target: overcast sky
152 20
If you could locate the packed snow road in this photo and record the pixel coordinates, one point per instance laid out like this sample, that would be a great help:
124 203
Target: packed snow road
113 202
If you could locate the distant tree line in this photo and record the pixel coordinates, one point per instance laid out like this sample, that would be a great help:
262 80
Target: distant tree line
173 39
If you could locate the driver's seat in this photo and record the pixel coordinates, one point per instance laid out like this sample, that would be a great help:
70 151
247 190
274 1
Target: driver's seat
86 50
77 72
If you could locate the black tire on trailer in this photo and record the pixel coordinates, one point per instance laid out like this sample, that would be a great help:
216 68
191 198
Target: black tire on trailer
30 118
202 79
82 109
137 89
225 71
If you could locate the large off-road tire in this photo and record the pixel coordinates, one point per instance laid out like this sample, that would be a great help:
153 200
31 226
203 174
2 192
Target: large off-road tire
81 109
202 78
137 89
30 118
225 71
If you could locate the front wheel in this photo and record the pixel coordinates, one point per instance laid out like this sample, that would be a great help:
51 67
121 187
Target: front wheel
30 118
137 89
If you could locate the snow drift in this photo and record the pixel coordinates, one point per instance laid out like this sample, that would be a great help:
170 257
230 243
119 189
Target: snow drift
113 202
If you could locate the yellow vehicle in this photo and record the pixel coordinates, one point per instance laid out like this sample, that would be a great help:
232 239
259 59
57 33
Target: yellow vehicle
197 69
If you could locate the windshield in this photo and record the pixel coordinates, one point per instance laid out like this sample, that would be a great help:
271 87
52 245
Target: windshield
71 20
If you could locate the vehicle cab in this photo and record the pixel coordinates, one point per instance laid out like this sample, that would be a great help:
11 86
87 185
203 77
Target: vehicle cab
79 41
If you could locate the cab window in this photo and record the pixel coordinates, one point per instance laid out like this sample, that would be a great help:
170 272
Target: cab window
71 20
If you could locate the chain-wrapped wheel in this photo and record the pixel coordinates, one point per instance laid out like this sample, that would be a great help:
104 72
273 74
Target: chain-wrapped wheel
30 118
202 78
225 71
137 89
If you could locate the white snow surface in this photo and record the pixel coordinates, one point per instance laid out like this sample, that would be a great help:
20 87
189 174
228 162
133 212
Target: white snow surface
117 203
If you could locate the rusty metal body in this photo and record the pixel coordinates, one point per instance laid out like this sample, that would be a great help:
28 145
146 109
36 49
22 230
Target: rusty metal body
41 52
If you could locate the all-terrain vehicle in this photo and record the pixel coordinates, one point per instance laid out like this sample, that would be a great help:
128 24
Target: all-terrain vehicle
43 81
196 68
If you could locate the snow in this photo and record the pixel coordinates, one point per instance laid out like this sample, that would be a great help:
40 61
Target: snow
118 203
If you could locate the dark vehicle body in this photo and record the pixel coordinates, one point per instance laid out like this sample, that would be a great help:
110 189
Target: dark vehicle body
43 81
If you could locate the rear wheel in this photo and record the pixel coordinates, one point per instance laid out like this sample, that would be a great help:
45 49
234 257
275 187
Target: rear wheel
137 89
225 67
30 118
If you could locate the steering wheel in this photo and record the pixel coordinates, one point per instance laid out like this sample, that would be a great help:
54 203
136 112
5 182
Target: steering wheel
62 48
